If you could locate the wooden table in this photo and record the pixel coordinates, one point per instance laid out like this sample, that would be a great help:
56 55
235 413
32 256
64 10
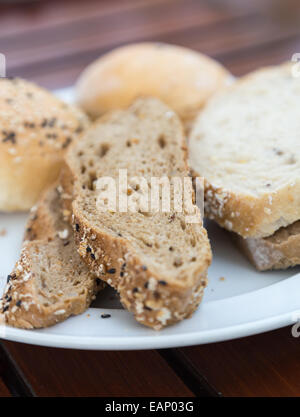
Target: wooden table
51 42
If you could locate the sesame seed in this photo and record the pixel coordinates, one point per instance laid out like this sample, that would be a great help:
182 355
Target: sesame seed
105 316
77 227
88 249
66 143
18 303
9 137
111 271
93 256
52 122
79 129
144 268
162 282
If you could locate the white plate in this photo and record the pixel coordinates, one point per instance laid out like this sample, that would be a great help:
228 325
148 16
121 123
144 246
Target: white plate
239 301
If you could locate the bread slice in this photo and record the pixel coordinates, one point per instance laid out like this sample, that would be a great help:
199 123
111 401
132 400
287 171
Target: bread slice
49 282
155 260
278 251
246 143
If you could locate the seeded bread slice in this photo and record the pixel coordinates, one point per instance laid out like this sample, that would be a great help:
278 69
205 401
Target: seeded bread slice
278 251
246 143
49 282
156 260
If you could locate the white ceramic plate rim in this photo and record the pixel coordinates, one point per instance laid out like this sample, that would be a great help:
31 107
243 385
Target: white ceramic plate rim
260 319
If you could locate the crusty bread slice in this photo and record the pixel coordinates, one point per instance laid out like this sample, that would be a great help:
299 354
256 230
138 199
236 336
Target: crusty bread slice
156 260
49 282
246 143
278 251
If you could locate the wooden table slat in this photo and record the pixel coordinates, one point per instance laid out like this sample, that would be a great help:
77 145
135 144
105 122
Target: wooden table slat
103 33
3 389
61 372
262 365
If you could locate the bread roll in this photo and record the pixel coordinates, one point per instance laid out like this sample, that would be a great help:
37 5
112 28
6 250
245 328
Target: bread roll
36 128
182 78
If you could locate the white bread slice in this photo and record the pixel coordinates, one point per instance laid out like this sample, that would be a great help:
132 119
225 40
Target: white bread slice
155 260
246 143
49 282
278 251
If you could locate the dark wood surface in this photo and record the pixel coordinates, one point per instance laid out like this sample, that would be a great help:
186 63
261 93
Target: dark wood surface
262 365
4 392
60 372
51 42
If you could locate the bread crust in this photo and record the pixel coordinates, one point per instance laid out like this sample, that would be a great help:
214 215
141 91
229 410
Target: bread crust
279 251
36 129
248 215
116 79
154 301
21 305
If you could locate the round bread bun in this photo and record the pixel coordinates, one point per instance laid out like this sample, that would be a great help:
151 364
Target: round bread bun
36 128
182 78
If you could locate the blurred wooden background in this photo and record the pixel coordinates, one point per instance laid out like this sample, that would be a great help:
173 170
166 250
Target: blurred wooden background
51 42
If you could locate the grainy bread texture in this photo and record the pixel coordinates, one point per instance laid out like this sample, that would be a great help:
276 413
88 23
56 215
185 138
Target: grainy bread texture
49 282
246 143
36 129
156 260
278 251
181 78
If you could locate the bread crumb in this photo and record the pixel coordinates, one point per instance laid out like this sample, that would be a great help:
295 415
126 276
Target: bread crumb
222 279
3 232
58 312
267 210
63 234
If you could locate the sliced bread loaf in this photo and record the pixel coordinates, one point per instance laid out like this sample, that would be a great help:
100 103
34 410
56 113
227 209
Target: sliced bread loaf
156 260
49 282
278 251
246 143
